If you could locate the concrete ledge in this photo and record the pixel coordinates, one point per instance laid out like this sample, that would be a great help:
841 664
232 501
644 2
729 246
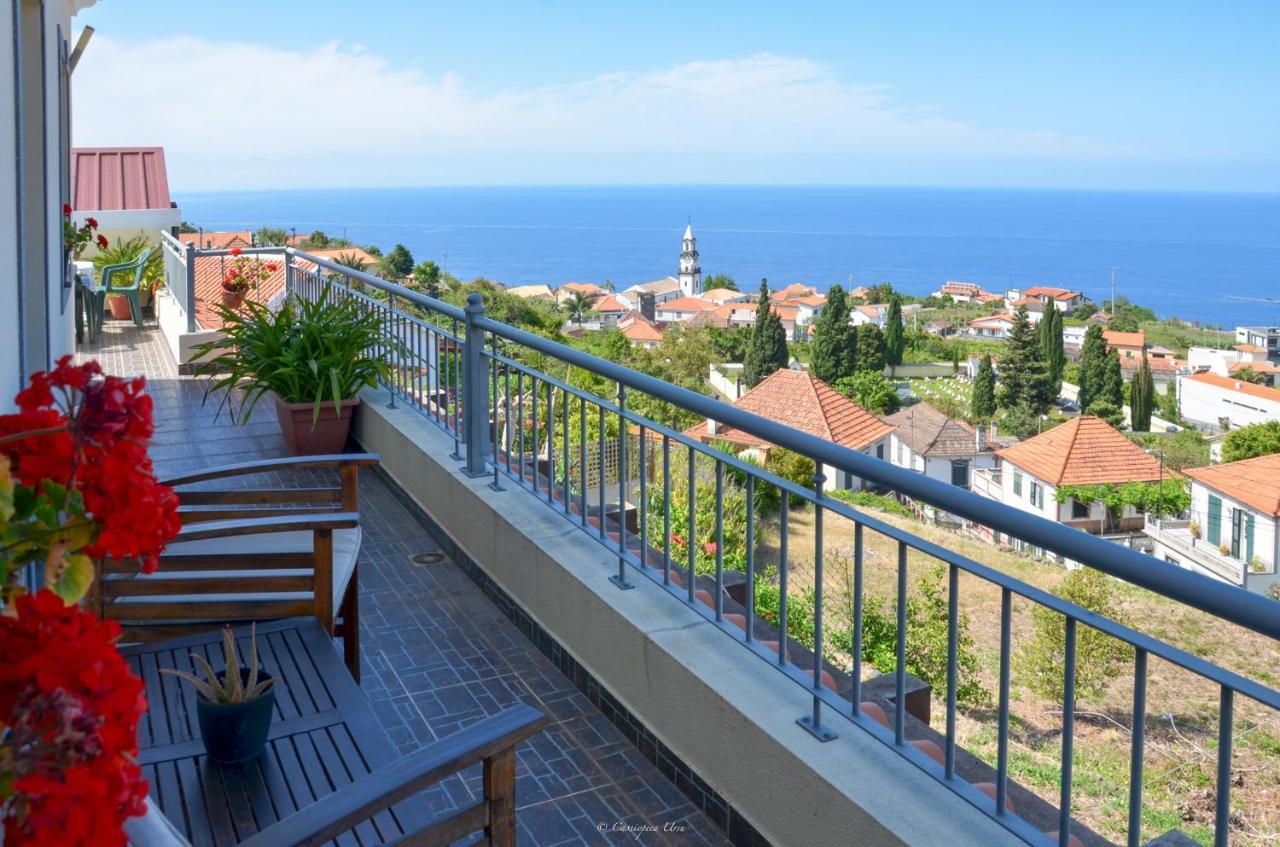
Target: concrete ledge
719 707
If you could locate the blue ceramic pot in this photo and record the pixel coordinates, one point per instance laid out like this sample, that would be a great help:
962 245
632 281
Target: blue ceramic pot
236 732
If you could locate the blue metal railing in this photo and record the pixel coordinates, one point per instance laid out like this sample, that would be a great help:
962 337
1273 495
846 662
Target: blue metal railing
471 375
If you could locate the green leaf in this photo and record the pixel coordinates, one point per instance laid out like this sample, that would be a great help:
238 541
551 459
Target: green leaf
76 577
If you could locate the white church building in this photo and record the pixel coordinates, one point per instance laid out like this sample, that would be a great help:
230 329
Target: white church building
687 284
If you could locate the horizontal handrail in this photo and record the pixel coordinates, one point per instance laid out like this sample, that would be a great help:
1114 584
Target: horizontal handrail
1249 610
1252 611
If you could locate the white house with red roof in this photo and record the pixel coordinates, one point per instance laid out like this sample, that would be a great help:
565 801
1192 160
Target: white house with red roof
870 313
682 309
1064 299
801 400
963 292
1228 363
992 326
1233 530
1083 451
1225 402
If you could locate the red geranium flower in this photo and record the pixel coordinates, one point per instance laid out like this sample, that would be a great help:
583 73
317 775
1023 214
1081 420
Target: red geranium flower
102 242
710 548
71 707
92 222
236 251
66 209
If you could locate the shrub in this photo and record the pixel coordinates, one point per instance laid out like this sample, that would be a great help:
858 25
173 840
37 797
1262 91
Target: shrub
1097 654
873 501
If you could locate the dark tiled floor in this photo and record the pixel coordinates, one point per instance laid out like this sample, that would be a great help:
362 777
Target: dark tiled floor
438 654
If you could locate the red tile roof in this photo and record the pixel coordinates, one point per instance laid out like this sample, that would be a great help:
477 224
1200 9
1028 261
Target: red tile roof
217 240
686 304
801 400
1259 391
1083 451
1249 348
1046 291
970 289
796 289
118 178
1125 339
609 303
1254 482
584 287
636 327
210 271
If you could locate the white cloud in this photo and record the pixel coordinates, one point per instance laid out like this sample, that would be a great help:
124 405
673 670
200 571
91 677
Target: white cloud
235 114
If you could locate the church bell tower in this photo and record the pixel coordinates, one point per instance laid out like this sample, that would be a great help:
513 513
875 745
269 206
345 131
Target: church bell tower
690 273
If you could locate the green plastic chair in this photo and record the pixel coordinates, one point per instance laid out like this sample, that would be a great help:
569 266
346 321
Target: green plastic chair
130 290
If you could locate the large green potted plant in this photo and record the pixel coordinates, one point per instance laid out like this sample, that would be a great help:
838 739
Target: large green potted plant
122 253
312 357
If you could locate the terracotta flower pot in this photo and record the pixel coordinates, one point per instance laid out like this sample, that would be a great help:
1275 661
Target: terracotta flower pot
327 435
232 299
119 306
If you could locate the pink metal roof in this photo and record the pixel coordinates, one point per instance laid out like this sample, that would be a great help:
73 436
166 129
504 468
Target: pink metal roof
117 178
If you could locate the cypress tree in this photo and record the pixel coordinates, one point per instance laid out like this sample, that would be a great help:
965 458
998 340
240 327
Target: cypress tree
1108 401
1170 405
1055 356
767 349
1093 355
834 341
1142 397
894 334
1024 376
983 402
869 355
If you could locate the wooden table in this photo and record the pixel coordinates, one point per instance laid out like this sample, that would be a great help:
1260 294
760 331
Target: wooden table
324 736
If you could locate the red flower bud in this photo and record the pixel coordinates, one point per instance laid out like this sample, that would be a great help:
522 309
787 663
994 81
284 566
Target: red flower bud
92 222
66 209
235 251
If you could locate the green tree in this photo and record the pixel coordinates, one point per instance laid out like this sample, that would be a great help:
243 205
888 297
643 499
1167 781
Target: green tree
272 236
426 276
767 350
870 390
894 334
1259 439
1098 656
730 343
834 339
983 401
1142 398
1185 448
577 305
1093 354
711 282
1248 374
1169 403
1025 392
317 239
1051 349
1108 401
398 263
869 350
187 227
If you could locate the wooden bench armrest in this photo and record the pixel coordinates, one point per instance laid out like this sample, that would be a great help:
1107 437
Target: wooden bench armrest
274 523
331 460
334 814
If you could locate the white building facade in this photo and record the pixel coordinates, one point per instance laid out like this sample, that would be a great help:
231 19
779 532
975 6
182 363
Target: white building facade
37 301
1209 399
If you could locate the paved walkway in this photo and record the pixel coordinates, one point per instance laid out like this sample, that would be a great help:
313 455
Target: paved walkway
438 654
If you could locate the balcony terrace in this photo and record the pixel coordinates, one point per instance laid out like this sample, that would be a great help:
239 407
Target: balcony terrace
437 653
499 571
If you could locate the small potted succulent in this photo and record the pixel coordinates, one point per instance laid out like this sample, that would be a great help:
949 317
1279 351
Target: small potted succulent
1194 529
312 357
235 705
1224 549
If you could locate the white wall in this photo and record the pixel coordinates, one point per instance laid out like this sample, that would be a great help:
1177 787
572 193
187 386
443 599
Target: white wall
1204 403
1266 539
22 352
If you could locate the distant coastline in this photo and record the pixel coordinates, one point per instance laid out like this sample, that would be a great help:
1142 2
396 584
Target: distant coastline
1179 253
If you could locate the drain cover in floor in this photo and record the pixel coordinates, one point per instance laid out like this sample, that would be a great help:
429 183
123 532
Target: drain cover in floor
433 558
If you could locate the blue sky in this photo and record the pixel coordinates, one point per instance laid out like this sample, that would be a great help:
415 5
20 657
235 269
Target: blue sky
1167 95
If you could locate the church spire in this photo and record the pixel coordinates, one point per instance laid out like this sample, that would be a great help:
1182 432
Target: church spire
690 272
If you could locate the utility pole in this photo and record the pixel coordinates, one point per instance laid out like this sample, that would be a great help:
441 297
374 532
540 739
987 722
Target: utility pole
1113 291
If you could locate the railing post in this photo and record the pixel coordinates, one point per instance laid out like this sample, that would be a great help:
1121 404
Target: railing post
288 274
475 405
189 265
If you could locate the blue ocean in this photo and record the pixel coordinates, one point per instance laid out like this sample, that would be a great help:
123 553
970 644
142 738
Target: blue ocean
1182 254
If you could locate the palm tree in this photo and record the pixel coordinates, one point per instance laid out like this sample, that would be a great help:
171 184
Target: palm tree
578 305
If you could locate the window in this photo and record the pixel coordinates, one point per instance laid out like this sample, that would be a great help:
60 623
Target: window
1037 495
900 461
1079 510
1214 529
960 473
1017 483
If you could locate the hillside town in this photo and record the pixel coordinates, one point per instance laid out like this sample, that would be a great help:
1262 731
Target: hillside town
1154 434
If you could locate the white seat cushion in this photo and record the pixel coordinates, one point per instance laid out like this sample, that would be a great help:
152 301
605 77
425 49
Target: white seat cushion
346 549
